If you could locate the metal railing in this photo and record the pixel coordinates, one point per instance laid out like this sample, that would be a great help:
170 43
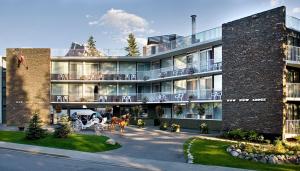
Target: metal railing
161 73
292 127
293 90
181 96
293 53
183 42
293 23
83 52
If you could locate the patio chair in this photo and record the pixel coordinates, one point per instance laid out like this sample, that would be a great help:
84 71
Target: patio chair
179 97
58 98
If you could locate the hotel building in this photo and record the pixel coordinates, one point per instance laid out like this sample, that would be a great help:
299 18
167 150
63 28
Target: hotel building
246 73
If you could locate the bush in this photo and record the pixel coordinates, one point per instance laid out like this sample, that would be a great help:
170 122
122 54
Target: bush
203 128
279 148
163 126
63 129
175 127
35 130
298 138
140 123
239 134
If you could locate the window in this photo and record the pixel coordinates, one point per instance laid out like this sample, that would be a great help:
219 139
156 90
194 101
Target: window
127 67
179 86
108 89
218 82
76 70
180 62
167 62
217 54
108 67
59 67
127 89
167 86
91 68
59 89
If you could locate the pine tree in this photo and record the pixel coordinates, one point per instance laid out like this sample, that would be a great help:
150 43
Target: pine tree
35 130
91 47
132 48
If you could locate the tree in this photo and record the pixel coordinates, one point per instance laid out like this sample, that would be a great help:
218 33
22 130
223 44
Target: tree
132 48
91 47
35 130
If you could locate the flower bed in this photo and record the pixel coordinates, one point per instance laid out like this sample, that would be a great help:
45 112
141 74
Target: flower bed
273 154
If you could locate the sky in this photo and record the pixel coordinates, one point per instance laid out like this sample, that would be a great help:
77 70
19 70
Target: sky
56 23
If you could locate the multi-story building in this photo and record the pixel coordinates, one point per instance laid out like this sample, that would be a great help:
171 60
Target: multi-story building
245 73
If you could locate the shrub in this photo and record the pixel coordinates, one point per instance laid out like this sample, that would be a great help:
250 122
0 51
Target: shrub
298 138
140 123
163 126
239 134
203 128
279 148
175 127
63 129
35 130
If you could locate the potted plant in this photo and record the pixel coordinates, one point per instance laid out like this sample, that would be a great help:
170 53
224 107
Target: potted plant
178 109
140 123
200 110
159 113
145 99
203 128
163 126
136 111
175 127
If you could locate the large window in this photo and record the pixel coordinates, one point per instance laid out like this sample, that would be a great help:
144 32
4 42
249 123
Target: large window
76 70
218 82
205 88
108 89
206 60
179 86
167 86
127 89
127 67
91 68
75 92
59 67
180 62
89 91
59 89
217 54
167 64
108 67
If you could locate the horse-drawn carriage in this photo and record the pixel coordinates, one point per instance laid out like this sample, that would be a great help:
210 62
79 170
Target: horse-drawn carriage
83 119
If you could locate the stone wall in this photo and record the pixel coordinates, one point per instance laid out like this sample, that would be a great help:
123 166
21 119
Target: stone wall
28 85
253 68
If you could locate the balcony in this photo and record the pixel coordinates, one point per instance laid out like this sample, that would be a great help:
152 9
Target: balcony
160 97
293 92
150 75
292 127
185 42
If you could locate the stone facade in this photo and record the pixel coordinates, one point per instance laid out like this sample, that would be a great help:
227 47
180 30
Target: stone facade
27 85
253 68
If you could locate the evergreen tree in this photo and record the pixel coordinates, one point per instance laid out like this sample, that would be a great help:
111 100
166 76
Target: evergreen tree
132 48
35 130
91 47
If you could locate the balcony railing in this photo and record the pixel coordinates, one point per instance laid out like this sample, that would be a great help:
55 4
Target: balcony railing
293 90
182 96
140 75
83 52
292 127
183 42
293 23
293 53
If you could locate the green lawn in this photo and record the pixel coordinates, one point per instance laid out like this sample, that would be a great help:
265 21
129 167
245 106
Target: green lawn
79 142
210 152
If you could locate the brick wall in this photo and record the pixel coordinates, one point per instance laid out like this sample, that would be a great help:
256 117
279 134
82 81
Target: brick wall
253 67
27 90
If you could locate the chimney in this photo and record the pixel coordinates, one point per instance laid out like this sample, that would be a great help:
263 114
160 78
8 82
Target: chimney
193 24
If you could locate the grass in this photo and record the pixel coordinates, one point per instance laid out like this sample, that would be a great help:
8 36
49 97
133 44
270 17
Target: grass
79 142
211 152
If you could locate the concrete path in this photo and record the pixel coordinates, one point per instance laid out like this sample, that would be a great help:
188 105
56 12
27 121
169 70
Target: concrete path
130 162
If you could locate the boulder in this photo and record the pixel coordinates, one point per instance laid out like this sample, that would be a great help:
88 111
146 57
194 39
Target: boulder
238 150
111 141
273 160
234 153
263 160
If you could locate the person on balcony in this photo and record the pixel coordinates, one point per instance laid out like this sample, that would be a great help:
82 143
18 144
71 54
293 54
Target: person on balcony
96 92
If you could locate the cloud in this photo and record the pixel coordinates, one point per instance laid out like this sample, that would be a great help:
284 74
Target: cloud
296 10
123 23
275 3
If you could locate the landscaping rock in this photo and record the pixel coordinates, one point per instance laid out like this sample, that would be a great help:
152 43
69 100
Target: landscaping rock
263 160
238 150
111 141
234 153
273 160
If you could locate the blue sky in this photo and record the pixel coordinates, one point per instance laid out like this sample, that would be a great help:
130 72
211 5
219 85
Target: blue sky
57 23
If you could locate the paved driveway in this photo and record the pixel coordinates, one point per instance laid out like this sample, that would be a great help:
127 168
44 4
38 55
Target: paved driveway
150 143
